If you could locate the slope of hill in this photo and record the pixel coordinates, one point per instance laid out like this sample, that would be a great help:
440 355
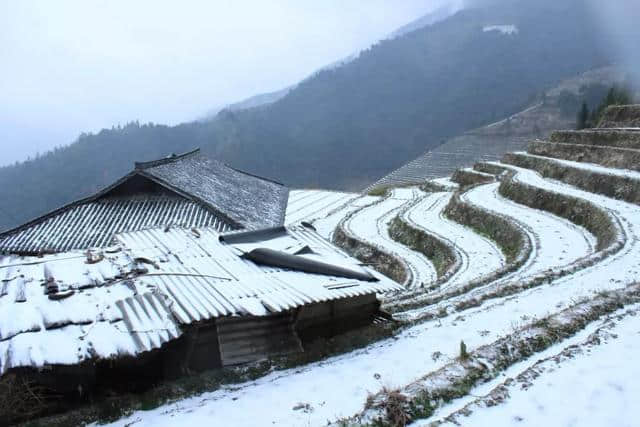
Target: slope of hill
347 126
262 99
505 345
555 110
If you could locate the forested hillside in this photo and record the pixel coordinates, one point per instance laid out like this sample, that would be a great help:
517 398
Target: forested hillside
348 126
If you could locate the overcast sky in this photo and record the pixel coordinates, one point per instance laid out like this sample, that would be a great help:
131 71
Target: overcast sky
70 66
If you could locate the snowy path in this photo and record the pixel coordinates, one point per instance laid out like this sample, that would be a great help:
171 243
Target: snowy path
371 225
591 385
478 255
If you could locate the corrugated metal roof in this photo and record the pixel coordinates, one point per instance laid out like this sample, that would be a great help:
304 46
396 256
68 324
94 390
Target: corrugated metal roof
205 278
132 297
67 308
93 224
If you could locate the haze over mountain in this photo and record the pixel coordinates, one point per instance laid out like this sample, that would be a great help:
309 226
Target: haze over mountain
430 18
347 126
74 66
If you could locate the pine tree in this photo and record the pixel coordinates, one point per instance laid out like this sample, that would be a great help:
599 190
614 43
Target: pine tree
583 117
594 119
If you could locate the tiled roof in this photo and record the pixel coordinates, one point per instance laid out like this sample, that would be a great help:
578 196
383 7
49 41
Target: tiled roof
250 201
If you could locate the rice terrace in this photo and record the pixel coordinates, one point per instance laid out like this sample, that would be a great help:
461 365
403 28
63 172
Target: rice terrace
440 229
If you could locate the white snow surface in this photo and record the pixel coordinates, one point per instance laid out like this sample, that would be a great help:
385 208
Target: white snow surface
478 255
446 183
307 205
598 387
371 225
591 167
504 29
557 241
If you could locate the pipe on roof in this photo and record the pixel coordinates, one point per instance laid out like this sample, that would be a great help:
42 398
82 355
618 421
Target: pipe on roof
253 236
280 259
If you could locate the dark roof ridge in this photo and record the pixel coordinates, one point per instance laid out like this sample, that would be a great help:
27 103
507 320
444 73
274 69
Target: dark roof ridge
169 159
254 175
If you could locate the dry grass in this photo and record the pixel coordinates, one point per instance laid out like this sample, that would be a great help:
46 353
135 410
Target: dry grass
21 399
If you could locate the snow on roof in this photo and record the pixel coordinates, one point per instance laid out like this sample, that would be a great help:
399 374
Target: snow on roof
70 307
207 278
504 29
133 297
250 201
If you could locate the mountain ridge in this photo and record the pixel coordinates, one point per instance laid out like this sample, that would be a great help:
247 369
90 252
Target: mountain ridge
345 127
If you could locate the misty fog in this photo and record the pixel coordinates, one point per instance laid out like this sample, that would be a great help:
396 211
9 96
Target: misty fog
76 66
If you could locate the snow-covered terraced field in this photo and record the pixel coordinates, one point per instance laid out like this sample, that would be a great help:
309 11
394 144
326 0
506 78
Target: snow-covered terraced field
576 381
588 383
371 225
592 167
557 242
478 255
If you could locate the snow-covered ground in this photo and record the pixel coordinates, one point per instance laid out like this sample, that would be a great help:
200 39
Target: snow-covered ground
371 225
596 387
589 383
504 29
623 173
558 241
478 255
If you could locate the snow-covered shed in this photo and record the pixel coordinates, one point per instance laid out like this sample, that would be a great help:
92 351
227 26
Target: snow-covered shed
175 299
189 190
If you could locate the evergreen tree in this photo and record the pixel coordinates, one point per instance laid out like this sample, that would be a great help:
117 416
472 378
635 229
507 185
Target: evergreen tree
594 119
617 95
583 117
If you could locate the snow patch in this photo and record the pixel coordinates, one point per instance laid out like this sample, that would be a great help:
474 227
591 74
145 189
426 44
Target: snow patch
508 30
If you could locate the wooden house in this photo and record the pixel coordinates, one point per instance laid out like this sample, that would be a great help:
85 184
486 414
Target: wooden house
164 301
